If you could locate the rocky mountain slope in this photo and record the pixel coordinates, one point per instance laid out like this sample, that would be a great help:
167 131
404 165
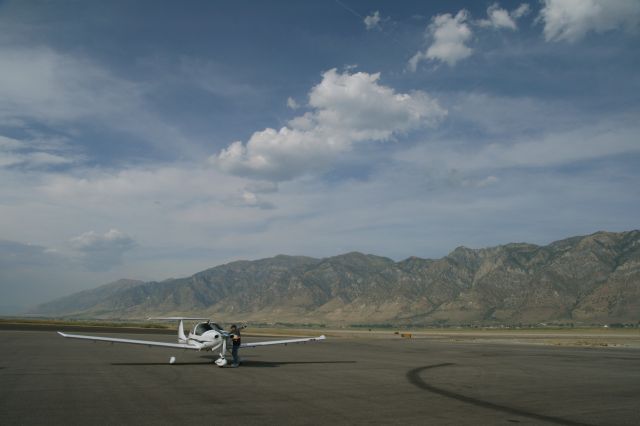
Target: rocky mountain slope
591 279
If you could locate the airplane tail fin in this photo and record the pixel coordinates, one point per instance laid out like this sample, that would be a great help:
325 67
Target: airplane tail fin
181 337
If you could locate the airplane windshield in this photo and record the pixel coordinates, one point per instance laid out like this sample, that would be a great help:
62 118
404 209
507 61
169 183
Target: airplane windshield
203 327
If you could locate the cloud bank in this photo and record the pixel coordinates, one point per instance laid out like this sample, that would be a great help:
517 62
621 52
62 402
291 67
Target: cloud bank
46 90
42 84
101 252
34 153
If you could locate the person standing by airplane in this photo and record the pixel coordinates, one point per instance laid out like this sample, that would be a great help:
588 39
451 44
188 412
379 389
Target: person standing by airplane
236 340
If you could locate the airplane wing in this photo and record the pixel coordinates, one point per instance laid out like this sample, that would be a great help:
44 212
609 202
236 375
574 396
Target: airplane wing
178 318
132 341
282 342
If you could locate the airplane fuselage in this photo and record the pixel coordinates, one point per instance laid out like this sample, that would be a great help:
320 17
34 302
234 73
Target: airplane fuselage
210 340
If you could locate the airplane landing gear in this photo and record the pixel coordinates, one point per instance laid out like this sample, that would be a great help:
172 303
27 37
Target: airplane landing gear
221 362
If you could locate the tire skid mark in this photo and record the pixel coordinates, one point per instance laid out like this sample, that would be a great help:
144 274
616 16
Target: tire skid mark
413 376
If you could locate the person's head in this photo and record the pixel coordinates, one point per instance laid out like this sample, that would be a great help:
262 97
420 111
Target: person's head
234 327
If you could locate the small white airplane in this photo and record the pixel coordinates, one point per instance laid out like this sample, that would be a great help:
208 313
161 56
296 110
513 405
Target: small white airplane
204 336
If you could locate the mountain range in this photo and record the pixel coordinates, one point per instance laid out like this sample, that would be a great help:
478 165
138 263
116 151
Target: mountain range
584 280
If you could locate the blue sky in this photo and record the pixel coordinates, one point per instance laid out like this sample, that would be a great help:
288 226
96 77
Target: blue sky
155 139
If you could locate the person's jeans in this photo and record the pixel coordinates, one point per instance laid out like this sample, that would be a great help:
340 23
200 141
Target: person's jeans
234 354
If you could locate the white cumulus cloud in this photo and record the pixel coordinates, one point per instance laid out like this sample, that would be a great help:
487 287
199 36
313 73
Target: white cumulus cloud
450 35
347 109
499 18
571 20
521 11
372 21
291 103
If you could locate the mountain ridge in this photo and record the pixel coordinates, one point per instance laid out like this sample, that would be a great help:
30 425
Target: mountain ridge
584 279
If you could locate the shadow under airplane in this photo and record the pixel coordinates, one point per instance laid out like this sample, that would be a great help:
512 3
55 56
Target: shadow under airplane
244 363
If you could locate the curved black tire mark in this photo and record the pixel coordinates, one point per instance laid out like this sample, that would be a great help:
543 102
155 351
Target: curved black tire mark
414 378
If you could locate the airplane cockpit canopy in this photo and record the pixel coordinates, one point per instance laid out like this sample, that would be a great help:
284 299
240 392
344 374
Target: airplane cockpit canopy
203 327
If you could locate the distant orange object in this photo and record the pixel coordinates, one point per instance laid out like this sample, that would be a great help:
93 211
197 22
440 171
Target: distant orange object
405 335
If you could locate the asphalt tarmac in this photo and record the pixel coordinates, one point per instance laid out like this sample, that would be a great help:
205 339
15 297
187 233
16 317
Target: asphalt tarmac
45 379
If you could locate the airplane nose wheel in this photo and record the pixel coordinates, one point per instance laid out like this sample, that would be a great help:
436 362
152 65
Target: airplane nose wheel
221 362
